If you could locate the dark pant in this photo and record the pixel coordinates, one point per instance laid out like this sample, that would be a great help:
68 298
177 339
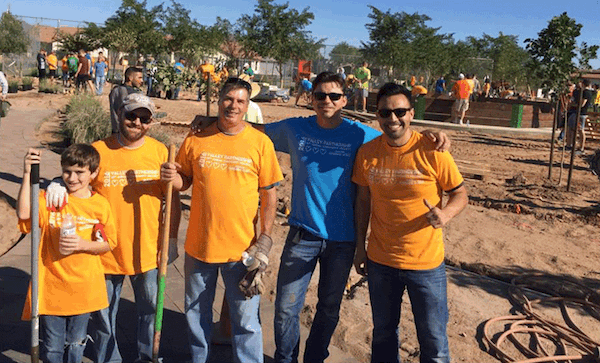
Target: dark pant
300 254
428 297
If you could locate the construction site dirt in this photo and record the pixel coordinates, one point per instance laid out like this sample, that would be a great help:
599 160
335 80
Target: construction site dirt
518 223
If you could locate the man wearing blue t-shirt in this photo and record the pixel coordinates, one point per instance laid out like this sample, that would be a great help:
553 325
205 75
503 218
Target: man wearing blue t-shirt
322 149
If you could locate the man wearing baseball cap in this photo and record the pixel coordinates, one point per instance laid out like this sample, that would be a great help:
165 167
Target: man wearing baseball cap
129 177
248 71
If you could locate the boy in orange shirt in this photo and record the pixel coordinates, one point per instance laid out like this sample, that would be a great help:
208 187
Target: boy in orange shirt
71 276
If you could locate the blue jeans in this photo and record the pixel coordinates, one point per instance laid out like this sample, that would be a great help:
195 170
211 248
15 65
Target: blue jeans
300 254
100 84
103 326
149 90
200 286
64 335
427 292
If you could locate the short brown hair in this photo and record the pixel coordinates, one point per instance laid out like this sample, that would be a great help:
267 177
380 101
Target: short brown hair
81 155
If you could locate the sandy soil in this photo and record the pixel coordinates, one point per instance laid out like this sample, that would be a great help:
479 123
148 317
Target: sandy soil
517 222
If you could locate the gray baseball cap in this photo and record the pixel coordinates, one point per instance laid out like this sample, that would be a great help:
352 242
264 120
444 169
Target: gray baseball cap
133 101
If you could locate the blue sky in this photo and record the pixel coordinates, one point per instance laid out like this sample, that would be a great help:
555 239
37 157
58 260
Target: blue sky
345 21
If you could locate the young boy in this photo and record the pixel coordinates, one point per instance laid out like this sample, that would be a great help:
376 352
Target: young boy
71 276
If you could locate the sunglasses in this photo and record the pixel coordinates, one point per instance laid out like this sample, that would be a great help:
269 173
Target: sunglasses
399 112
320 96
132 116
241 82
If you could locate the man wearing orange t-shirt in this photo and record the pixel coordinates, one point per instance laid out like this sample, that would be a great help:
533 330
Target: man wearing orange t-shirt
230 166
400 180
461 92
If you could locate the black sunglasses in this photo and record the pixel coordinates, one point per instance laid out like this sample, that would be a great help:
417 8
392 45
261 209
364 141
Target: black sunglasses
399 112
320 96
234 80
132 116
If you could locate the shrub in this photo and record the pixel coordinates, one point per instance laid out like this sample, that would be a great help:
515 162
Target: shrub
27 81
159 135
86 120
48 87
13 86
32 72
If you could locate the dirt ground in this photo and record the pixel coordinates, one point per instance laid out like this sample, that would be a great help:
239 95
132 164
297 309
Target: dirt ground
517 222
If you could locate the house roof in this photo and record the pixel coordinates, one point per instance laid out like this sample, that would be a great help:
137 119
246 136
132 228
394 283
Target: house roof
48 33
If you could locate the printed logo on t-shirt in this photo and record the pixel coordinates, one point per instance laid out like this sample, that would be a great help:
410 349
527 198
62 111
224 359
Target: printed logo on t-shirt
382 176
225 162
324 147
129 177
81 223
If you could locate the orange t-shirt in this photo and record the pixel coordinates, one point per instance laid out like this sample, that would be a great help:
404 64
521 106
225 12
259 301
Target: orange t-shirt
64 65
130 180
73 284
399 178
471 83
206 70
52 62
461 89
226 172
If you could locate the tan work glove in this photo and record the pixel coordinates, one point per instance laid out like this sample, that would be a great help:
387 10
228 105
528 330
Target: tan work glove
256 260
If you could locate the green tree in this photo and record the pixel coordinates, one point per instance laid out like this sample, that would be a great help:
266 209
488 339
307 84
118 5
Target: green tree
189 38
13 38
133 18
279 32
405 44
509 58
88 39
345 53
555 52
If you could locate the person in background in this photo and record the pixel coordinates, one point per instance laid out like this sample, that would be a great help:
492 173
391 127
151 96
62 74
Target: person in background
42 64
460 91
82 76
52 64
4 85
248 71
100 70
362 76
179 67
440 86
64 66
304 90
132 84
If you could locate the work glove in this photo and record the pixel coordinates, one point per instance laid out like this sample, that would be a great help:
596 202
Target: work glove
173 250
256 260
57 196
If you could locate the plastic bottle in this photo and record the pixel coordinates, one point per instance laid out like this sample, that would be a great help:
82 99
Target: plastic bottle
67 228
249 261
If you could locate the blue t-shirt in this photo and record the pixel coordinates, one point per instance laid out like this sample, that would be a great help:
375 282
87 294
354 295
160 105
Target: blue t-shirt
99 68
89 57
306 85
323 194
178 67
439 85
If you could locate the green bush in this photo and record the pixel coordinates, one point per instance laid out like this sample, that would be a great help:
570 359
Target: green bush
159 135
27 81
13 86
32 72
48 87
86 120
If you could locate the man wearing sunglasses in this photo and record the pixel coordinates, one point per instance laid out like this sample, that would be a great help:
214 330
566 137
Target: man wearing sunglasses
401 178
322 150
129 177
230 167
